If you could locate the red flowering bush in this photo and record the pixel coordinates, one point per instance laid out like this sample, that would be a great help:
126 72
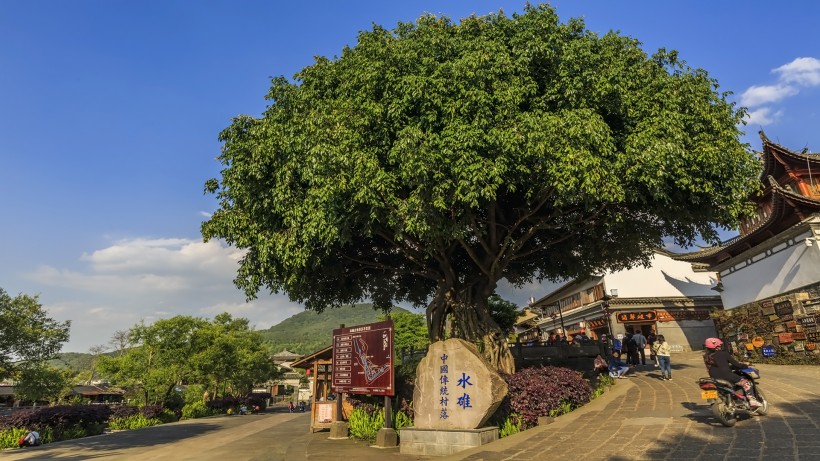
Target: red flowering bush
546 391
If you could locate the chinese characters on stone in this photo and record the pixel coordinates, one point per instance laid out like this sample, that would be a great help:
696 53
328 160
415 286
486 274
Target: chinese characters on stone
444 392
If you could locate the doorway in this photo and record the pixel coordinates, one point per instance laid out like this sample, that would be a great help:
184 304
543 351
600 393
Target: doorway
644 328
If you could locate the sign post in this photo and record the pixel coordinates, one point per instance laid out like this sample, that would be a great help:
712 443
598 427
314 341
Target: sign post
363 364
363 359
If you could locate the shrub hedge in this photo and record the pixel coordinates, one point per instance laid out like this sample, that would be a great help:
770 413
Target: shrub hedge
61 422
544 391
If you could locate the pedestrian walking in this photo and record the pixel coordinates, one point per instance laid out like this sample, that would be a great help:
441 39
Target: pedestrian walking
640 341
631 349
663 353
605 345
651 338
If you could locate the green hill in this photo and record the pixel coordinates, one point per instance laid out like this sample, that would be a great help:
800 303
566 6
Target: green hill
74 361
308 332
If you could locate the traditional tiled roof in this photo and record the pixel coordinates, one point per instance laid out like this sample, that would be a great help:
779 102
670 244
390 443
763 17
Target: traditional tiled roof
286 356
307 361
772 152
92 390
527 316
787 209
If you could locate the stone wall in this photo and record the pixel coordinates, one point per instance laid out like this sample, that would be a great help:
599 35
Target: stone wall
788 327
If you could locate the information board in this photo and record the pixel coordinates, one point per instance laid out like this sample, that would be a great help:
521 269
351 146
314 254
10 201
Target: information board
324 413
363 359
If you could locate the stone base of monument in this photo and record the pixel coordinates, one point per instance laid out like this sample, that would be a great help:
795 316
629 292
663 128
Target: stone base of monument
443 442
339 430
387 438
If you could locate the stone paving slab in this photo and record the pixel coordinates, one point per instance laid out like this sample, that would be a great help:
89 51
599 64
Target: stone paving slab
647 418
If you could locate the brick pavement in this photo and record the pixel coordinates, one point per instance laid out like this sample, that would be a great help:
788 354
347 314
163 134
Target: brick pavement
648 418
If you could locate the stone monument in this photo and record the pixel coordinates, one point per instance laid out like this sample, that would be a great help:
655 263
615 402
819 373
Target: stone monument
456 392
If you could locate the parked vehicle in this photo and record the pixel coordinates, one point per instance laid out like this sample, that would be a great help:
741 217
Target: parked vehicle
726 399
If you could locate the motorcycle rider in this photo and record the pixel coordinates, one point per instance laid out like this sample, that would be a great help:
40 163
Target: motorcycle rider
719 364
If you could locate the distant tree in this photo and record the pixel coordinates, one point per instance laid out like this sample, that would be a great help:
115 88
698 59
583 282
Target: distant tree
409 331
27 335
38 382
119 341
427 163
503 312
223 354
232 356
159 358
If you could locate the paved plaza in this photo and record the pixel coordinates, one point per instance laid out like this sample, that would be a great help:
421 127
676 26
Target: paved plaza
645 418
641 418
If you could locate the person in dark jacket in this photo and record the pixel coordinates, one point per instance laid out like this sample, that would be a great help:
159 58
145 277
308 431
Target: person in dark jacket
720 365
617 368
631 349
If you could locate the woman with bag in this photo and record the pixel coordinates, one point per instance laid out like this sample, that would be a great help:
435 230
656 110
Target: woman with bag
663 353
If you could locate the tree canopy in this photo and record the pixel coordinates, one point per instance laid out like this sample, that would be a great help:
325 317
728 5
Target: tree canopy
428 162
504 313
28 337
225 355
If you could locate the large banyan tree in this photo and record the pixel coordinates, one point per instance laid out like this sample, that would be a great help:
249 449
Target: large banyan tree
428 162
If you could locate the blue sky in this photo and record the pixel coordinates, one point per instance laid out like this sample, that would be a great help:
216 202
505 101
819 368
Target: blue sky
110 111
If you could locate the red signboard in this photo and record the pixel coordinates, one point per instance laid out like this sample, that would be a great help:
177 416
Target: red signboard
622 317
363 359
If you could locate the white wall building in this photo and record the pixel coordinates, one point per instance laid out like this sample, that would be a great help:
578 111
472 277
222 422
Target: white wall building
669 297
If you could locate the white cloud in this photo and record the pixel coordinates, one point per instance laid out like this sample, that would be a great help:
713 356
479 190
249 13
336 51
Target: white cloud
148 279
757 95
801 71
763 116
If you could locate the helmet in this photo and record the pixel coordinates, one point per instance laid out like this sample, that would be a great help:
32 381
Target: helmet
712 343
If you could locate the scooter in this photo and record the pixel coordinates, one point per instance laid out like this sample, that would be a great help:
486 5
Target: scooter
726 399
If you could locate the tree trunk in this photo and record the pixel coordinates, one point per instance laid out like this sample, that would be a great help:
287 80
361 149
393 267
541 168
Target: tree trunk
469 319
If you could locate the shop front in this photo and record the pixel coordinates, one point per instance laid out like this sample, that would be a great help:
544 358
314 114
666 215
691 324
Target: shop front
684 328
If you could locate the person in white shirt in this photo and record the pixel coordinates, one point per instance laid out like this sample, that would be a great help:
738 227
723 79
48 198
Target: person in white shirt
32 439
663 352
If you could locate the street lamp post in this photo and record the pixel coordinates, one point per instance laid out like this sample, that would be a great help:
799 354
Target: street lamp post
607 315
561 316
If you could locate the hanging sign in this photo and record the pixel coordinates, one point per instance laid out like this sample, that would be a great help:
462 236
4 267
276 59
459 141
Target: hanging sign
678 315
785 338
597 323
636 316
768 351
757 341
